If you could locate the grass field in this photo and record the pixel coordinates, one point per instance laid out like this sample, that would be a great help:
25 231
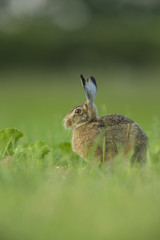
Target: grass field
47 191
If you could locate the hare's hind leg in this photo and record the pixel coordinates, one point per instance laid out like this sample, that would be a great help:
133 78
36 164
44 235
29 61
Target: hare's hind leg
140 154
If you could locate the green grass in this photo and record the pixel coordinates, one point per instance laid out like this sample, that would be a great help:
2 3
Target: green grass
59 196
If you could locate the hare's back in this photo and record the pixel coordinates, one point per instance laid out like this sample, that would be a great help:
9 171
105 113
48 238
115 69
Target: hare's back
115 119
122 129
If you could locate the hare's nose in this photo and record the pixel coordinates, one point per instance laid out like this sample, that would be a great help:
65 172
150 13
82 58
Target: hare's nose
65 119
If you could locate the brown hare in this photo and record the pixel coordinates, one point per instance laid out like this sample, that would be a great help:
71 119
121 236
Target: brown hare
103 136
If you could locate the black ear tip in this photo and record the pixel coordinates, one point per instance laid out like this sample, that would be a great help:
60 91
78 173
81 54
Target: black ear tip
81 76
83 79
93 80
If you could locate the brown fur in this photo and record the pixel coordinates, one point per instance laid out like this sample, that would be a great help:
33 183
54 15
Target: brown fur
114 132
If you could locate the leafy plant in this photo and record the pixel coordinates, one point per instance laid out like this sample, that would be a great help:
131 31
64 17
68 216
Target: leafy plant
38 150
9 138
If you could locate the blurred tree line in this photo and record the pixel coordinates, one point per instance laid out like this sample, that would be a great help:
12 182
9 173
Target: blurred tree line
56 33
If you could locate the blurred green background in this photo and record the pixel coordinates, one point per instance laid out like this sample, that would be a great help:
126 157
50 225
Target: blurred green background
64 34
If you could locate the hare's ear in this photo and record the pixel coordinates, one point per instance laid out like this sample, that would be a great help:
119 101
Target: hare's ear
90 88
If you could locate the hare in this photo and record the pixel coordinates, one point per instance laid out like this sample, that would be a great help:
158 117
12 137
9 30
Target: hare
103 136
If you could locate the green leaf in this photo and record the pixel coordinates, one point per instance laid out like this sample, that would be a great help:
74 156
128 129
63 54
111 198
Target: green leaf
8 141
40 149
34 150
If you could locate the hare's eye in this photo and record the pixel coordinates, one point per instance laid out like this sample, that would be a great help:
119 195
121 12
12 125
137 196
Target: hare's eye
78 111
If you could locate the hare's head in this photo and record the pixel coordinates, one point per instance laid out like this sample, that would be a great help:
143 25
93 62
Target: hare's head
86 112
